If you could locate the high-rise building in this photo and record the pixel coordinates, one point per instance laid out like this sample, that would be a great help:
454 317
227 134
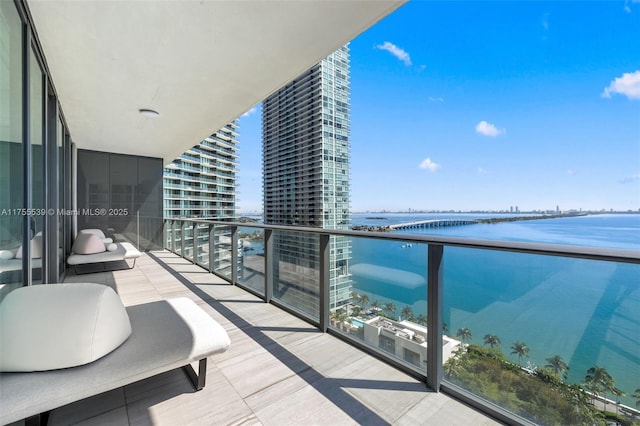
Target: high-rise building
306 130
201 184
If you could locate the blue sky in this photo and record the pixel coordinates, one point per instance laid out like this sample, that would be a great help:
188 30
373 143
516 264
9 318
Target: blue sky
487 105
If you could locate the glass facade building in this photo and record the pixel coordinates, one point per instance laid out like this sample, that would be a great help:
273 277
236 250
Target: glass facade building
306 133
201 183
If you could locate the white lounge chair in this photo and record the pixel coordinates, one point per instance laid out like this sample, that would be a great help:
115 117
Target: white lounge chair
164 335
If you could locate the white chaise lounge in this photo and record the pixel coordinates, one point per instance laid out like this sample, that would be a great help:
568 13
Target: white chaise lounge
123 251
164 335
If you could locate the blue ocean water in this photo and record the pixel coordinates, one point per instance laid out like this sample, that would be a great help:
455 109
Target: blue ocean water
586 311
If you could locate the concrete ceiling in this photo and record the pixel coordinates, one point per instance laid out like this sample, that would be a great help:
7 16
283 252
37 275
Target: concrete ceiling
200 64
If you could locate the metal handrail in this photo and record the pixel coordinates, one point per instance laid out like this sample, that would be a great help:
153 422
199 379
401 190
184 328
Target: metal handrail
580 252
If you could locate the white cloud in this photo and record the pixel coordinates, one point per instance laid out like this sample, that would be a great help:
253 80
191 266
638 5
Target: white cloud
396 51
482 171
627 8
545 21
488 129
629 179
250 112
438 99
429 165
627 85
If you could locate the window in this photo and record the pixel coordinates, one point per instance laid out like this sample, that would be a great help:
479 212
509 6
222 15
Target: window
387 344
411 357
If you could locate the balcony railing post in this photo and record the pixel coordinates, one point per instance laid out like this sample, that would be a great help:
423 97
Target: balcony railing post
183 239
268 265
234 255
195 243
165 234
434 316
325 302
212 255
173 236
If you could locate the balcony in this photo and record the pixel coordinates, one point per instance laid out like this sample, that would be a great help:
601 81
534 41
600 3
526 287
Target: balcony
278 370
490 288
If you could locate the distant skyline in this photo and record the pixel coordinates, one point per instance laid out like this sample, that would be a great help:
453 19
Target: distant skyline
487 105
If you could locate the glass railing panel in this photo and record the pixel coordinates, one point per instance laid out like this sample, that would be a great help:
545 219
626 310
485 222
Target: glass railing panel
296 273
222 246
187 240
177 236
251 258
528 332
168 234
201 235
386 306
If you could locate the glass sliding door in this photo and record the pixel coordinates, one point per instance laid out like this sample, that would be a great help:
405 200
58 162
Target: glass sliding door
11 147
60 219
38 155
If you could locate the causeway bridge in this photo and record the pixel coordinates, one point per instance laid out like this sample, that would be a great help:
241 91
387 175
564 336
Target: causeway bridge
432 223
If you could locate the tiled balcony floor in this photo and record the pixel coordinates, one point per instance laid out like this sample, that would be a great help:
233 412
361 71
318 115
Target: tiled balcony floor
279 370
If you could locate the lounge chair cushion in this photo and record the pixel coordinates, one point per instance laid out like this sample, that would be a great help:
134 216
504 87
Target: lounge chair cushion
97 232
36 248
46 327
88 244
167 334
7 254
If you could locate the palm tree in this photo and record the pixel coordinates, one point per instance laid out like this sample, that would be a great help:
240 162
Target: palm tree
520 349
390 308
464 334
333 316
375 305
618 394
558 366
364 300
421 319
342 318
598 381
636 395
451 367
407 313
356 310
491 340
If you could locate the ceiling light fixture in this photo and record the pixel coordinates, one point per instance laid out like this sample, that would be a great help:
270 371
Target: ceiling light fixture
148 112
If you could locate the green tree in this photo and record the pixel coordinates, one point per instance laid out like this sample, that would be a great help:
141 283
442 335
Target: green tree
356 310
618 393
636 395
364 300
558 366
492 340
390 308
375 305
407 313
452 367
520 349
421 319
464 334
599 382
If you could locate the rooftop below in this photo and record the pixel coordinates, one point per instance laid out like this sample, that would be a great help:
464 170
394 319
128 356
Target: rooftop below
278 370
